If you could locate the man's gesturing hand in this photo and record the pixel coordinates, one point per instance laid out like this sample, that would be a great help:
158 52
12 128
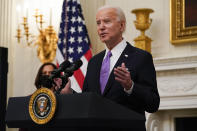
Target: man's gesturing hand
123 76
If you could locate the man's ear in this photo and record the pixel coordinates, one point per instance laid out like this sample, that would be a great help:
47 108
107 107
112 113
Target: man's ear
122 24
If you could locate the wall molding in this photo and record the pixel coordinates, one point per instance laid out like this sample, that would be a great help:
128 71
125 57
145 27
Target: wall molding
175 63
176 80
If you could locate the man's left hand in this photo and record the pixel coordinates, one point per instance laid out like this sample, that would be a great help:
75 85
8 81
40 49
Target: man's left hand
123 76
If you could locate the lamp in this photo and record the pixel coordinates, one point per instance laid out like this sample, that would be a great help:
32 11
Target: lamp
46 40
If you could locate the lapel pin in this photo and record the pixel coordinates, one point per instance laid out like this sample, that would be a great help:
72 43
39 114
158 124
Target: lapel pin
126 55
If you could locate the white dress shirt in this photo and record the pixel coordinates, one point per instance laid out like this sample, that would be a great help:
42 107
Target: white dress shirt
116 52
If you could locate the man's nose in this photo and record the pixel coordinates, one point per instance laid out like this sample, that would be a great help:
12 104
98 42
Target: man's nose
101 26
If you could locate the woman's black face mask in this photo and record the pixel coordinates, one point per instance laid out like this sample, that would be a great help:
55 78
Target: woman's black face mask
45 81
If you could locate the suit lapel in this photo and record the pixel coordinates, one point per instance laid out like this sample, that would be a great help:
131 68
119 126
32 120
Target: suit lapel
123 58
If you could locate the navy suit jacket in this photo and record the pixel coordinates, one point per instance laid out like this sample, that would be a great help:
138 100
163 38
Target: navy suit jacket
144 96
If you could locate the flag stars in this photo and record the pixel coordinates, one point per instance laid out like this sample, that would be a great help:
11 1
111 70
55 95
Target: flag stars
73 19
73 10
70 50
79 39
86 39
72 39
79 19
78 2
72 30
70 59
79 50
80 29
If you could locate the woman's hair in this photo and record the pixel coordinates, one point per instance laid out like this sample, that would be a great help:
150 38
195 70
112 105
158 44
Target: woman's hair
39 74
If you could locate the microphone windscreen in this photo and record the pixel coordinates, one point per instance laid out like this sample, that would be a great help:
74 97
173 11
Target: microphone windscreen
78 64
57 72
64 65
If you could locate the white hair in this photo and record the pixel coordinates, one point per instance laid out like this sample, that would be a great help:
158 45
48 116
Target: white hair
120 14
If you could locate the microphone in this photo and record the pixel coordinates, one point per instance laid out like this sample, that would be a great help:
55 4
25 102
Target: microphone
69 72
73 67
56 72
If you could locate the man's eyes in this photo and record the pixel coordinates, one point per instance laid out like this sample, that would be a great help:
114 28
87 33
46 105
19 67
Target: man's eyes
104 21
107 21
98 23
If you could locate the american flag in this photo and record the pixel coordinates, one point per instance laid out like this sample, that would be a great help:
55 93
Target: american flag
73 43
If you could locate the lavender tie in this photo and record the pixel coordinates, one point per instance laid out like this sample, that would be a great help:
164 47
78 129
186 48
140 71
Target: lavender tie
104 74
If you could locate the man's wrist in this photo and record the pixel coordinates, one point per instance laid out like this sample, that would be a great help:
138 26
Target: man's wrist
129 91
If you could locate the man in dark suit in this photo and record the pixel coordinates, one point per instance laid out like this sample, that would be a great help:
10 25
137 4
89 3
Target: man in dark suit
129 73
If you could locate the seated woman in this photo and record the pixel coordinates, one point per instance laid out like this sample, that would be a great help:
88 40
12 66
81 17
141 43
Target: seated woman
46 70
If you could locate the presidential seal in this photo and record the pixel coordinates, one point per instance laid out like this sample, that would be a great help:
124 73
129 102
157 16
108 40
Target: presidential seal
42 106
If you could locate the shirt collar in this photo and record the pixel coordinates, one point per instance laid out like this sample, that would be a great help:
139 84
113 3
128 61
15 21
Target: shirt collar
118 49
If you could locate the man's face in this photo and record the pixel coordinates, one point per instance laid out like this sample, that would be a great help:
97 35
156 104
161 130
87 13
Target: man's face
109 28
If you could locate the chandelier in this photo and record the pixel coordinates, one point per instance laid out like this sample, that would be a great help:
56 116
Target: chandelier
46 41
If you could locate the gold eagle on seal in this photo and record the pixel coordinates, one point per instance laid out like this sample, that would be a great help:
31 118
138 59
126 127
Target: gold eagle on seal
42 106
